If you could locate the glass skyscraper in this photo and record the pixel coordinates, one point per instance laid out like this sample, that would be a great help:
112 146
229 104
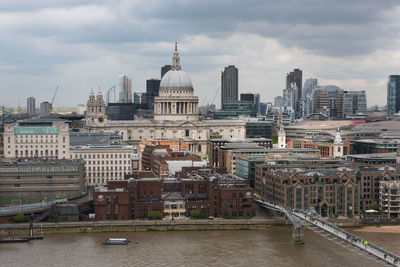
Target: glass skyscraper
393 95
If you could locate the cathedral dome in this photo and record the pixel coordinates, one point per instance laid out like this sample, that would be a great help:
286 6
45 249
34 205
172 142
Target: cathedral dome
176 80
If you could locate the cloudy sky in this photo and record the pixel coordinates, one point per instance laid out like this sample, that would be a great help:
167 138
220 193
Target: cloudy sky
82 44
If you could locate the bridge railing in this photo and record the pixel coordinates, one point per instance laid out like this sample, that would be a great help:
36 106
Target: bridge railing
29 207
337 231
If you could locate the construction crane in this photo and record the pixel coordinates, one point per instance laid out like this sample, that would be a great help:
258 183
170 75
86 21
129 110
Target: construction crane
216 93
52 101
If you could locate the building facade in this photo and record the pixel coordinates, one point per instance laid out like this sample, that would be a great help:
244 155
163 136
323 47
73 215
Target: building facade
41 178
36 139
194 189
393 95
354 102
296 77
125 89
104 162
229 85
30 106
45 109
389 198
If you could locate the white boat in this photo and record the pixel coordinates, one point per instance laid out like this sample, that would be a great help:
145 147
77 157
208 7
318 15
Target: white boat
116 241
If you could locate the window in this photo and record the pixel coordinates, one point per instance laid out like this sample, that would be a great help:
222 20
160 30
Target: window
186 132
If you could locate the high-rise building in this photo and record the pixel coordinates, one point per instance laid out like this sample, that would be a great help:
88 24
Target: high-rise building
257 103
152 90
289 96
278 101
165 69
249 97
45 109
137 97
125 89
309 86
254 98
354 102
111 96
295 76
393 95
30 106
328 100
229 85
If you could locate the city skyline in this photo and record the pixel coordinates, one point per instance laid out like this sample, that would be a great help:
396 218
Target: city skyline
79 46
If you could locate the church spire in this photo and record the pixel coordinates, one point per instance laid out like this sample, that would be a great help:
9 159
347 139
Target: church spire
176 60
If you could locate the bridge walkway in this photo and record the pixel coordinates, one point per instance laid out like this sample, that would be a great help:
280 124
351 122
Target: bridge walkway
316 223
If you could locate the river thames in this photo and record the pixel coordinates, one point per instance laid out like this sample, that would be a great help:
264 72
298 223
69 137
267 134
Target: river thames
191 248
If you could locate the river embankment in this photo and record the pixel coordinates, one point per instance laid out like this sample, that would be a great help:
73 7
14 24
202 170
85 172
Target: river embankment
146 225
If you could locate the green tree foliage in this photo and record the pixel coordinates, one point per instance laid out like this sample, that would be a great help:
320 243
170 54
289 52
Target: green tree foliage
195 214
155 215
20 218
274 139
374 206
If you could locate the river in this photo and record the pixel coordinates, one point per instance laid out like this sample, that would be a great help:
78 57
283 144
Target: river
190 248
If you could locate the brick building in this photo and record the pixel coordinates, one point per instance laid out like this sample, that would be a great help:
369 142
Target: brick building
326 148
202 189
330 189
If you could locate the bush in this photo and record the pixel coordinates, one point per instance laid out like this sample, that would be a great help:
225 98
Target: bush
155 215
195 214
20 218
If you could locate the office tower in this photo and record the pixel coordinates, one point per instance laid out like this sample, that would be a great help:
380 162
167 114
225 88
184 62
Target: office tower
254 98
111 96
295 76
125 89
137 97
393 95
152 88
165 69
247 97
229 85
328 100
289 96
309 86
257 103
278 101
354 102
30 106
45 109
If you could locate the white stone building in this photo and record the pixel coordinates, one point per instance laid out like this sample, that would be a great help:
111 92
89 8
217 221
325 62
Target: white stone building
36 138
104 162
175 116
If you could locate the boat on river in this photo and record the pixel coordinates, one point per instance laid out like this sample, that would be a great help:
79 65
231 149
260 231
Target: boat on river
116 241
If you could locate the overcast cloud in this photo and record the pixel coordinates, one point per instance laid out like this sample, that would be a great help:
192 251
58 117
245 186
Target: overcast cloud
82 44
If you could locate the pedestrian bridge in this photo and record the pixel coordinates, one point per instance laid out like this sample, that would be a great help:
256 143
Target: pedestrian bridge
300 218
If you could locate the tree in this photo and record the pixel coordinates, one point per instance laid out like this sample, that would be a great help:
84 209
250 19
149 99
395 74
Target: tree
20 218
155 215
274 139
374 206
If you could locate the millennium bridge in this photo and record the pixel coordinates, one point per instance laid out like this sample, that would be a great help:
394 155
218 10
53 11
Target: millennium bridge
311 220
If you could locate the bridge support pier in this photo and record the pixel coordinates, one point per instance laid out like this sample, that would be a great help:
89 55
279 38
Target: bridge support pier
297 235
